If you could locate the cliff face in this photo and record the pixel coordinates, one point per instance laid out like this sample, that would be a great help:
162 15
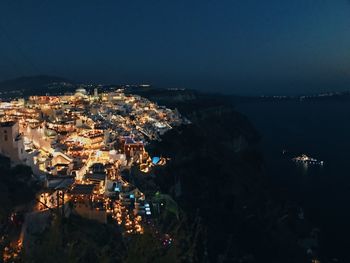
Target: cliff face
219 171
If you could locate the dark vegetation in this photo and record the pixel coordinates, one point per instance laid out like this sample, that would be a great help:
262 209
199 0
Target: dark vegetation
17 190
77 240
16 187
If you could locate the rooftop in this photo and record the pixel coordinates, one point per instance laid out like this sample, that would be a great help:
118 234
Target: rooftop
82 189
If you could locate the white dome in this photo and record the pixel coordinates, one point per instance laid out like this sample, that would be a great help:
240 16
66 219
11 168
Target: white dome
80 91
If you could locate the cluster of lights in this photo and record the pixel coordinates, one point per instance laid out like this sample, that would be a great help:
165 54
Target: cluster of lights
64 124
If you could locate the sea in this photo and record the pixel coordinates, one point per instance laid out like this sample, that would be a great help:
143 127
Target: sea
320 129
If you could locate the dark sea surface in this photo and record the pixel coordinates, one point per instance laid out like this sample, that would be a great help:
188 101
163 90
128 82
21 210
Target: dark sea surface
320 129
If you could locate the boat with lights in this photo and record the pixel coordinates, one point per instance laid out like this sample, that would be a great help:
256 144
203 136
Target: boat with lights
307 160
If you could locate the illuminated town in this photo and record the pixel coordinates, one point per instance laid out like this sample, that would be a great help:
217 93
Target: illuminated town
80 145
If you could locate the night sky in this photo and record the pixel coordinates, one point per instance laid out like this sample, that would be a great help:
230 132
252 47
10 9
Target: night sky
235 46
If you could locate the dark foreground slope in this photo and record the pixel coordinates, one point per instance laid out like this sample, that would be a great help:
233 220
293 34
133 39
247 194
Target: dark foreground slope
216 176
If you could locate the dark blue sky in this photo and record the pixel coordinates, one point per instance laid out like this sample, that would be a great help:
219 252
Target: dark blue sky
237 46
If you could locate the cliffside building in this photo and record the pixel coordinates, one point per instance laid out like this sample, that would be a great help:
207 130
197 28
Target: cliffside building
11 142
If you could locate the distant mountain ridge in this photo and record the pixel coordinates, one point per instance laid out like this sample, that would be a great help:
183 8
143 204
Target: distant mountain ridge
34 85
30 81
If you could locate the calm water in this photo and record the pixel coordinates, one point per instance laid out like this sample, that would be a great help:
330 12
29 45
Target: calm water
321 130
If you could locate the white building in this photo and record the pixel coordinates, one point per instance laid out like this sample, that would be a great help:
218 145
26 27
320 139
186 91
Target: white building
11 142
